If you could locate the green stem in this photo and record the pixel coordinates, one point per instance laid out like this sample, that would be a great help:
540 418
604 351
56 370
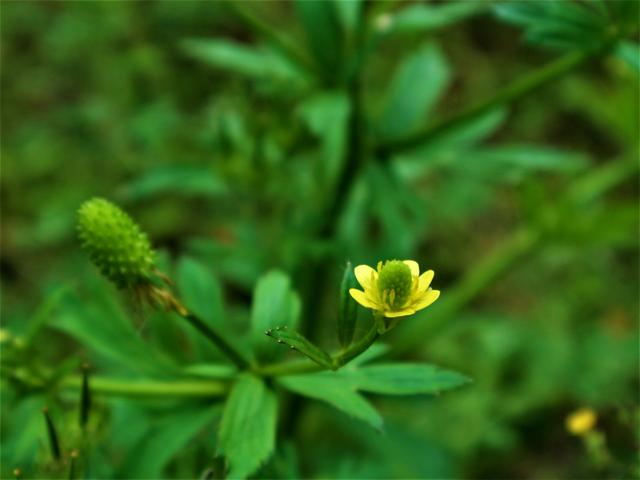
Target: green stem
510 93
337 361
223 345
149 388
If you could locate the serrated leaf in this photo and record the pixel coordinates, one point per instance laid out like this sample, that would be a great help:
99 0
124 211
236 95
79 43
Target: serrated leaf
296 341
417 85
403 378
248 427
275 304
335 391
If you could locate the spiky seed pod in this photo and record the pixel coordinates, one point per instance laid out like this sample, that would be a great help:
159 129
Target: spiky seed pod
115 243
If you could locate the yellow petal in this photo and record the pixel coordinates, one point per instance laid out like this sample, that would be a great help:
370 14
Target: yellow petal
424 281
425 300
366 276
413 265
364 300
399 313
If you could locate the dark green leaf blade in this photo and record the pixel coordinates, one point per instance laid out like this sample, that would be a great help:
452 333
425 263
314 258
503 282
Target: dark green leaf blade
248 427
330 388
323 31
297 342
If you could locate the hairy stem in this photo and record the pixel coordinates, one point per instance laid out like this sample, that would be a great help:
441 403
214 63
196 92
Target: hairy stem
337 361
514 91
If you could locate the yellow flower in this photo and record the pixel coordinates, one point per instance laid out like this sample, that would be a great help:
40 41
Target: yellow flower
395 289
581 421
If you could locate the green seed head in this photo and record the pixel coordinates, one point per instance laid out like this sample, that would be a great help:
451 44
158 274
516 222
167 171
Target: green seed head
115 243
395 279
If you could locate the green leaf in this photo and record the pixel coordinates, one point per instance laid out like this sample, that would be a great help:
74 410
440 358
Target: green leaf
248 427
326 116
177 180
275 304
102 326
417 85
166 436
559 25
323 31
331 388
297 342
200 291
422 18
349 13
512 162
629 53
254 62
403 378
348 314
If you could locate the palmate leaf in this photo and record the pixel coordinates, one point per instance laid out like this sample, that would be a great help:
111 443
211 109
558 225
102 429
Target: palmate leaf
340 389
248 427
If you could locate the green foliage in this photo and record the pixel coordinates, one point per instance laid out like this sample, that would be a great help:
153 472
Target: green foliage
335 392
348 314
275 304
248 426
296 341
261 145
418 83
572 24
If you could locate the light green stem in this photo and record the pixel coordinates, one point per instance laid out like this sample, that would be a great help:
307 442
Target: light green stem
510 93
149 388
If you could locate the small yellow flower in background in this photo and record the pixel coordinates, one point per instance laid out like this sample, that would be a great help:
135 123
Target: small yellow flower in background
581 421
395 289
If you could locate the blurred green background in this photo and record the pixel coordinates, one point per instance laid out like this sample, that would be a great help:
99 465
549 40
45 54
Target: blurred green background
229 136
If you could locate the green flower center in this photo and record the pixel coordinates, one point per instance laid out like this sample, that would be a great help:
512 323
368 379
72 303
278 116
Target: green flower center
115 243
394 283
